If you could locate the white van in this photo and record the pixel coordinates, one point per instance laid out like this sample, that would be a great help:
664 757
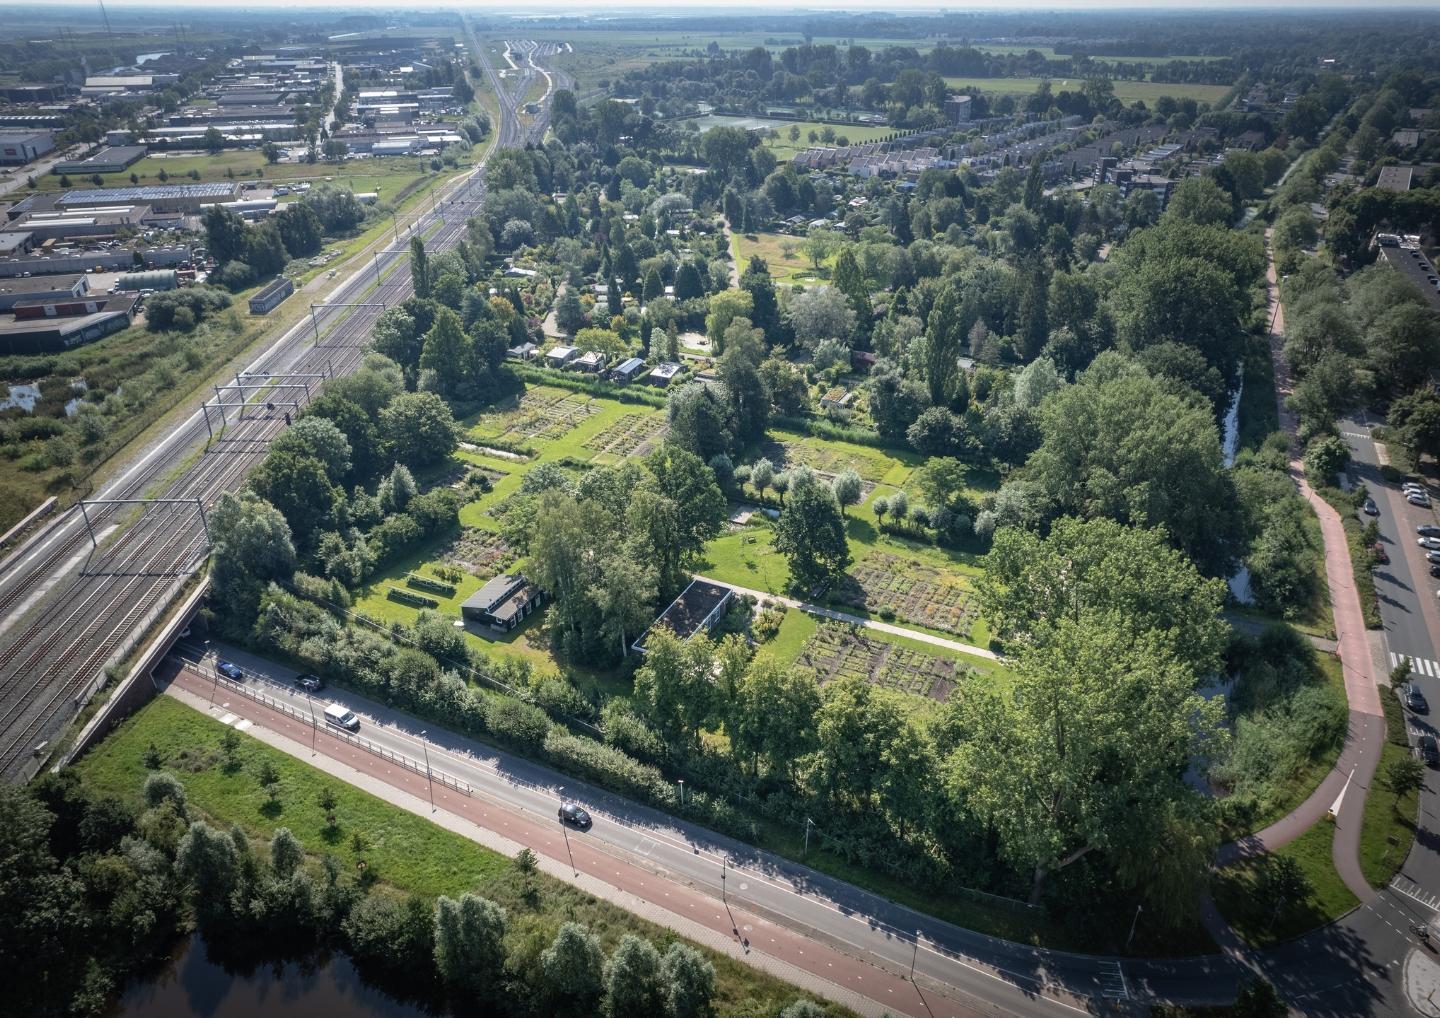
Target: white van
341 717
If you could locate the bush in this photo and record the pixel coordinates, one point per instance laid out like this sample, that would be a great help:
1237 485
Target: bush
516 722
183 309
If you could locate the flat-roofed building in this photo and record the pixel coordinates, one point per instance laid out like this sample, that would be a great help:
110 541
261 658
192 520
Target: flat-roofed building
160 197
110 159
697 610
1396 178
50 325
17 148
16 291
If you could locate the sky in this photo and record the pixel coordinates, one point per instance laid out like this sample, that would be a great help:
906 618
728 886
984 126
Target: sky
552 7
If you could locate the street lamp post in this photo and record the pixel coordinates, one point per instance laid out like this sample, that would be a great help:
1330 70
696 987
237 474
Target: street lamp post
1138 910
808 824
428 779
314 728
681 783
734 928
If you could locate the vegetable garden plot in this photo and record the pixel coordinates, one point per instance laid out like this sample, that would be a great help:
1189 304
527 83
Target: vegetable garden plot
826 463
542 413
630 435
913 591
481 553
837 651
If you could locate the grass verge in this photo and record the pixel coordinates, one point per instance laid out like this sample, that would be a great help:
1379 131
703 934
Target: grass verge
407 852
1389 824
1282 894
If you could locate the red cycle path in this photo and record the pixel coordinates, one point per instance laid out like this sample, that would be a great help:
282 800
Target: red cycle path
884 990
1349 781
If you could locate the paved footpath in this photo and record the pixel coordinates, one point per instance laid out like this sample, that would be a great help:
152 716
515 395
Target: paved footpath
839 616
814 967
1344 789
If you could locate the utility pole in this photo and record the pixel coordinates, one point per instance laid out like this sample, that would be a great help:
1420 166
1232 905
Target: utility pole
426 747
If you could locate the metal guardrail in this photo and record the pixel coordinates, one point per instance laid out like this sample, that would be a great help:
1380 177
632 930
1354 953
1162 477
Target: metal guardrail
309 718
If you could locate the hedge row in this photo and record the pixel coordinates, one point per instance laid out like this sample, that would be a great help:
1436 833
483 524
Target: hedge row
411 598
434 586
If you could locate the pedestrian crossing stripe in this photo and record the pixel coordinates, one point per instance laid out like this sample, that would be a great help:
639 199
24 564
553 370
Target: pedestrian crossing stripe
1415 892
1418 665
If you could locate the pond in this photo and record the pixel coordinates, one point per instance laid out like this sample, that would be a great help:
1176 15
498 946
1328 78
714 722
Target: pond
195 986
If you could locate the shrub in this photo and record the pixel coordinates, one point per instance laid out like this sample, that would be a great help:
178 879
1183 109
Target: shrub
425 583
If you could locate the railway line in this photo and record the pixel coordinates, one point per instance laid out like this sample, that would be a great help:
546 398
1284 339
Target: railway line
68 602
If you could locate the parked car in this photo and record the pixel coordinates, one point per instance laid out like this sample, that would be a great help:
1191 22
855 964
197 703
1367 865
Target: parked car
1432 543
1413 698
1435 567
1429 750
575 816
1418 498
230 670
1428 530
1432 556
309 683
1371 509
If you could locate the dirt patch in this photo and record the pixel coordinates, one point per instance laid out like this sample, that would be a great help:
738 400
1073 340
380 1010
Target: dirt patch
540 414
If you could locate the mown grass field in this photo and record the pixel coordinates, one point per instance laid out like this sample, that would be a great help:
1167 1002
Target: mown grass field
1126 91
406 852
784 148
791 268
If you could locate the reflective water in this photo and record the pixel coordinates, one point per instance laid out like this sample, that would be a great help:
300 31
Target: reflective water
1240 581
194 986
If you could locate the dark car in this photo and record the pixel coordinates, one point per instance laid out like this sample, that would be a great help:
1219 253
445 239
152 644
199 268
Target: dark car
1381 555
575 816
1429 750
1435 568
1428 530
1414 699
309 683
230 670
1371 509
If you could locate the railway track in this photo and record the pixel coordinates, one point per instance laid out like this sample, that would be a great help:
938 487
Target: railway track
55 645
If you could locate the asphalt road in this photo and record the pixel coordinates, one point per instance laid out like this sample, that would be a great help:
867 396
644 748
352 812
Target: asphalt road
1410 612
1354 967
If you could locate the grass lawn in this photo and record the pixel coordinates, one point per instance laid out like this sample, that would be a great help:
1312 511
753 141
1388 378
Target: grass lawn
389 176
1256 917
1126 91
406 852
785 269
854 134
1389 825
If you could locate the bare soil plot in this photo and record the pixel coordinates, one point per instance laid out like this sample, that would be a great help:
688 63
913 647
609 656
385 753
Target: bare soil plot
630 435
837 651
911 591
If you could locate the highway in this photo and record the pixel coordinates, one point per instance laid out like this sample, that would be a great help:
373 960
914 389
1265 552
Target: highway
74 599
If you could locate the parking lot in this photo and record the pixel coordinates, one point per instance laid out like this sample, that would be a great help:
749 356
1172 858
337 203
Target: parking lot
1413 264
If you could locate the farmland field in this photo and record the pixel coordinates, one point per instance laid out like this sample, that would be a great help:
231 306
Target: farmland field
1126 91
885 584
